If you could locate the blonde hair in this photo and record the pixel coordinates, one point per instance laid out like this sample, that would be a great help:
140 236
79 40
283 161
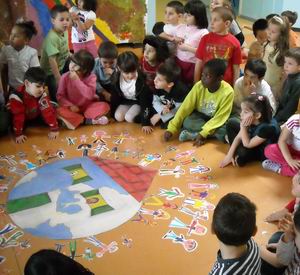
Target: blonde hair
282 45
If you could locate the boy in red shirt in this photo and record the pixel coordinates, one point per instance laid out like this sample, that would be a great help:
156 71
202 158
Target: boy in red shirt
219 43
30 101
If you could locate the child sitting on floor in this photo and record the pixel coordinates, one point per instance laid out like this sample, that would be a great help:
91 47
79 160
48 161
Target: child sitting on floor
76 94
155 52
249 137
30 101
169 93
284 157
18 55
234 224
206 108
105 68
132 98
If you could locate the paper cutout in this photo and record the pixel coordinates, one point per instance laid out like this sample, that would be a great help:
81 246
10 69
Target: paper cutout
51 154
197 215
83 138
99 149
149 159
71 140
199 204
199 169
156 214
200 195
177 172
84 147
10 241
139 218
72 247
22 155
25 244
29 165
120 138
155 201
172 194
3 188
61 153
171 148
189 245
127 242
203 185
40 158
17 171
114 151
193 228
189 161
184 154
111 248
59 247
88 254
203 178
9 159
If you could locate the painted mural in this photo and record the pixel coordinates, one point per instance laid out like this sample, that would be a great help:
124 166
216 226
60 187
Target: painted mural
120 21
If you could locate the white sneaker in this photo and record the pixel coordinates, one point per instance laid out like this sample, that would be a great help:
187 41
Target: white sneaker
100 121
271 165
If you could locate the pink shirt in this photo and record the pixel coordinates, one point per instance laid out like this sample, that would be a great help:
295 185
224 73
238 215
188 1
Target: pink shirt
79 92
192 36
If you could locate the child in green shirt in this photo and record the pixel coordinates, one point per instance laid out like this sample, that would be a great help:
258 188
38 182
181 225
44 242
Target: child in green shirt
206 108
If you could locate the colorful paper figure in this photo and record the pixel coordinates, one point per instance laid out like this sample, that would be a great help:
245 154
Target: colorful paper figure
29 165
184 154
83 138
61 153
12 239
153 200
88 254
200 195
189 161
156 214
9 159
40 158
189 245
72 247
50 154
199 204
177 172
22 155
17 171
71 140
171 148
115 152
3 187
149 159
99 135
84 147
193 228
99 149
199 169
141 219
172 194
111 248
197 215
204 178
25 244
120 138
59 247
203 185
127 242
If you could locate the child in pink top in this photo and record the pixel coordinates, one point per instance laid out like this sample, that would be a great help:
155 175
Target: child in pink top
191 32
76 94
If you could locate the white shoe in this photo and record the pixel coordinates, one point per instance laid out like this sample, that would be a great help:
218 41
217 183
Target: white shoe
271 165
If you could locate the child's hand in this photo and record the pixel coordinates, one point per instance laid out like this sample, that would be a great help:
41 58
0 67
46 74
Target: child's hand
53 135
108 71
73 75
227 160
277 215
167 135
249 87
247 121
74 109
183 47
200 140
21 139
106 95
147 129
178 40
294 164
74 16
287 225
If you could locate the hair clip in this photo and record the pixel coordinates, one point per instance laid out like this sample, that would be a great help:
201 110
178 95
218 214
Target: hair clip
278 19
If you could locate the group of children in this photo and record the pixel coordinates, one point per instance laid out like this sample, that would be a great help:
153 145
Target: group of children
187 81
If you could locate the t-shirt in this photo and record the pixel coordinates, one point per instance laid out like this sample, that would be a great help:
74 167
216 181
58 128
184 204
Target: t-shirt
293 125
83 36
18 63
57 45
171 29
192 36
226 47
247 264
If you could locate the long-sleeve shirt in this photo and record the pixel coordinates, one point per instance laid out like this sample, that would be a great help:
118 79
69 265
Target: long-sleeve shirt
215 105
76 92
24 107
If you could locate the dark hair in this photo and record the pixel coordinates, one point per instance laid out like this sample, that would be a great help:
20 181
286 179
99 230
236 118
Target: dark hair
170 70
35 75
160 45
297 219
176 5
234 219
292 16
158 28
28 28
269 16
256 66
108 49
51 262
58 9
198 10
85 60
89 5
259 25
294 53
128 62
260 104
225 13
216 66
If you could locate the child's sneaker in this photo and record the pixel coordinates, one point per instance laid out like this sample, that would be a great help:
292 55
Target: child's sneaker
186 135
100 121
271 165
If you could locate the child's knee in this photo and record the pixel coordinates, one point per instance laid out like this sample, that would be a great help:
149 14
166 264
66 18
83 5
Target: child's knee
129 117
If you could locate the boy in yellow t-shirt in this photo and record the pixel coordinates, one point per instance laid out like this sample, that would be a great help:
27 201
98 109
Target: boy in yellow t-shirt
206 108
